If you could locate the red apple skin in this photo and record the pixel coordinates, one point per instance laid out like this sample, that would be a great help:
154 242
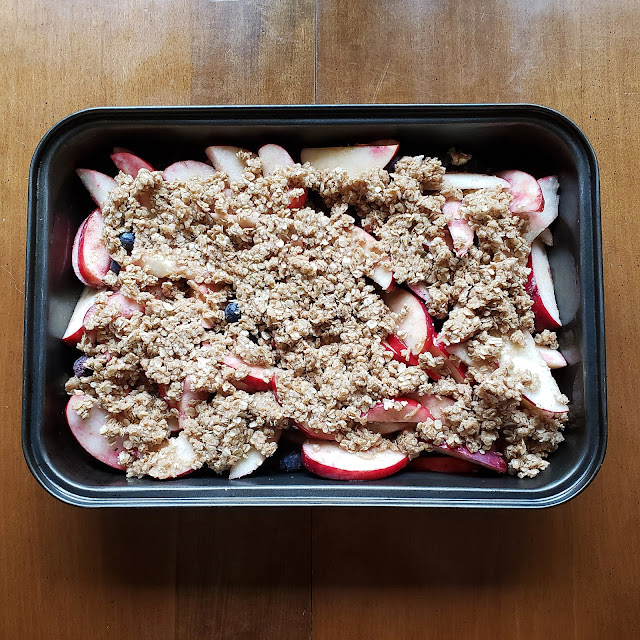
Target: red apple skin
442 465
333 473
254 381
129 163
313 434
490 460
97 184
458 372
542 318
525 191
91 260
411 412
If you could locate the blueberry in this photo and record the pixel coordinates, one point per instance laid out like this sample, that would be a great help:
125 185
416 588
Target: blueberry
291 461
115 267
126 240
79 368
232 312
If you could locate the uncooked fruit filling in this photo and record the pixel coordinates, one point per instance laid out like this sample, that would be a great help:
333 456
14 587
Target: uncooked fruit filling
350 315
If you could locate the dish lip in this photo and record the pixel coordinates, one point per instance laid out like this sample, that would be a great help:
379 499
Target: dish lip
329 494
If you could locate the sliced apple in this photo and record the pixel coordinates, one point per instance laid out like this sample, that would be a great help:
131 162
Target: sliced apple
313 433
177 458
188 400
225 158
442 464
472 181
273 156
381 274
247 465
459 228
553 358
129 163
398 410
125 306
416 328
461 351
525 192
354 160
489 460
75 328
329 460
435 404
539 221
541 291
89 256
546 237
439 349
421 290
87 432
258 378
544 394
98 184
187 170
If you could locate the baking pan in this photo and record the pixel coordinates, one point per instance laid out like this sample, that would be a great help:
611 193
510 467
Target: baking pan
528 137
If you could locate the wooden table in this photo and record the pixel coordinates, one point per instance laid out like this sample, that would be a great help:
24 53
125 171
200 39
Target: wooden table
569 572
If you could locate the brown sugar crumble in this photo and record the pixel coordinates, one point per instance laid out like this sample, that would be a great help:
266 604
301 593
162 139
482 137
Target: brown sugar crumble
309 312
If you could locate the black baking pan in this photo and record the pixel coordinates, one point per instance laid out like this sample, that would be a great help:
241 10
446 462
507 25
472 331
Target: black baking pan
528 137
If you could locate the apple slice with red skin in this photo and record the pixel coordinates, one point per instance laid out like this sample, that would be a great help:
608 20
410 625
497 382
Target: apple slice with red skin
442 464
545 396
225 158
273 156
330 460
178 459
126 306
89 257
87 432
398 410
382 274
472 181
525 192
459 228
416 327
98 184
187 170
541 291
439 349
75 329
129 163
553 358
539 221
421 290
354 160
313 433
258 378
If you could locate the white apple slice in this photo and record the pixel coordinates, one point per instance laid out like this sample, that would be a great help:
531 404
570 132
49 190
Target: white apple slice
89 257
525 191
421 290
258 378
489 460
442 464
75 328
313 433
98 184
129 163
398 410
553 358
329 460
188 400
177 458
459 228
273 156
416 328
460 350
126 307
435 404
546 237
382 274
540 289
540 220
544 393
472 181
354 160
439 349
87 432
225 158
247 465
187 170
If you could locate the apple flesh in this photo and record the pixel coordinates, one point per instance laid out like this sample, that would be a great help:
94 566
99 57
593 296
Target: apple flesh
225 158
553 358
129 163
489 460
416 328
472 181
247 465
354 160
525 192
187 170
398 410
439 349
273 156
178 459
441 464
314 433
435 404
539 221
75 329
258 378
329 460
89 256
87 432
545 395
459 228
421 290
381 274
97 184
541 291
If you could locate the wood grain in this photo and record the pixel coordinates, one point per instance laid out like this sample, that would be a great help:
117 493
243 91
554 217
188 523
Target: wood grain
571 572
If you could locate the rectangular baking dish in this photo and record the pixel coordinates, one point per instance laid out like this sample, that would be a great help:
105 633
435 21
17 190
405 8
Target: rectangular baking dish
527 137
